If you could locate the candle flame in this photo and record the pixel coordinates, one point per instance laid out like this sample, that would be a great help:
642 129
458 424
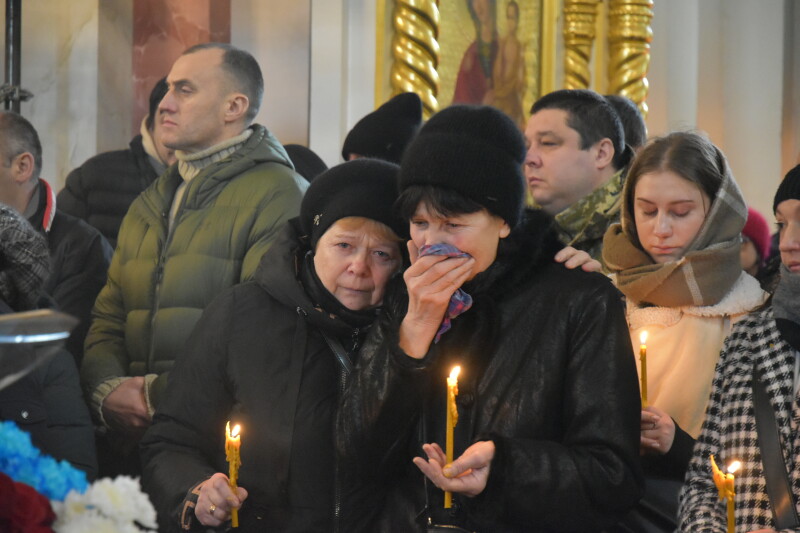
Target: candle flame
454 373
236 429
643 337
734 466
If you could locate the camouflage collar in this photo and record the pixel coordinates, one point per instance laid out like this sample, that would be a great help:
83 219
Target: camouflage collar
589 218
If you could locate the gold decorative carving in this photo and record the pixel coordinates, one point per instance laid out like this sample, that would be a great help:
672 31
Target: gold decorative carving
415 51
550 14
629 40
579 33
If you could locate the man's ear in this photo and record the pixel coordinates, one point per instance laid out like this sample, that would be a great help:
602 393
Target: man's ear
236 107
23 167
604 153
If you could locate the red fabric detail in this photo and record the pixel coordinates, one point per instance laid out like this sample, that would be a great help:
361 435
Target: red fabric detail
50 207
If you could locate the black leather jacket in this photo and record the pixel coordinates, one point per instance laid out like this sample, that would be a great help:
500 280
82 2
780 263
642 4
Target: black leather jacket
548 374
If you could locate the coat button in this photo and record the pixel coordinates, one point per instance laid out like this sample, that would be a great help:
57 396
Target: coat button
24 414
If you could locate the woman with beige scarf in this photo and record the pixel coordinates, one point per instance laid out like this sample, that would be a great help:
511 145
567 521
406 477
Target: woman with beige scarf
675 257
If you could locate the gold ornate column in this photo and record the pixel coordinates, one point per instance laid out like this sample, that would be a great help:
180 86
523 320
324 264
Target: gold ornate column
415 51
629 38
579 33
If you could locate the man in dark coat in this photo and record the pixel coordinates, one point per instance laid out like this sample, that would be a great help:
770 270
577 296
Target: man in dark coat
79 254
101 190
47 402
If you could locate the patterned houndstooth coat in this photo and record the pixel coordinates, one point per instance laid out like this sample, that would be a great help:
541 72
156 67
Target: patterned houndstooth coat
729 429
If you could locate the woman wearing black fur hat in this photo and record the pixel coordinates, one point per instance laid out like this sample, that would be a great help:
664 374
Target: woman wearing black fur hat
271 355
548 405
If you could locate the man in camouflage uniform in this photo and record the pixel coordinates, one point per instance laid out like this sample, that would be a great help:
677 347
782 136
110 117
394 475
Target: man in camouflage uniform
575 165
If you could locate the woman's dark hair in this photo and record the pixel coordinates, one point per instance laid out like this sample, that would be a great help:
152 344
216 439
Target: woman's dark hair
442 201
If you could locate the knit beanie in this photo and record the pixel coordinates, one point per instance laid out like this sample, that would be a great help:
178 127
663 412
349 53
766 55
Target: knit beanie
306 163
757 230
360 188
476 151
789 189
385 133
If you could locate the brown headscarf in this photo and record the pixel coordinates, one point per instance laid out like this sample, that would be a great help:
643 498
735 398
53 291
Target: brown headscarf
704 275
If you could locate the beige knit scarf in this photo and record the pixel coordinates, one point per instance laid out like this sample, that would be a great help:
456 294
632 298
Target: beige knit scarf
703 276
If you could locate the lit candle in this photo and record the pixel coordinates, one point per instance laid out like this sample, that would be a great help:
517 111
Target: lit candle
643 361
452 420
724 483
232 444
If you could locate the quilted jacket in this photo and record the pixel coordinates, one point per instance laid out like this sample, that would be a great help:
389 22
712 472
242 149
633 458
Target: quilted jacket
160 282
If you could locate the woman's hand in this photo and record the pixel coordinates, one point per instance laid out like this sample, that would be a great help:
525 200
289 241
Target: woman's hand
573 258
657 431
431 281
216 500
466 475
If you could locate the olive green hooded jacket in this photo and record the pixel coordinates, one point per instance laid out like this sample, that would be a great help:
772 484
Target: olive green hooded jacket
159 283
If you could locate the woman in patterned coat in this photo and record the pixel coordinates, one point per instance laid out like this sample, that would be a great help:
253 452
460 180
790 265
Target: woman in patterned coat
763 346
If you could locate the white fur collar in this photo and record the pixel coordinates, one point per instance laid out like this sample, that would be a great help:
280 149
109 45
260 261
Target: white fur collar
744 296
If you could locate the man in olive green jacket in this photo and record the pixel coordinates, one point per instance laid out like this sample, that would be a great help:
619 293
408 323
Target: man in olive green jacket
199 228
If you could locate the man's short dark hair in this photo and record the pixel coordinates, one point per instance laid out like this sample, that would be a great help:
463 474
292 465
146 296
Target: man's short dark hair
591 116
632 120
156 95
243 69
18 136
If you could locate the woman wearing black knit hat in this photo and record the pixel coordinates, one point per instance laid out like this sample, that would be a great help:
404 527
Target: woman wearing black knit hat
548 405
752 412
272 355
385 133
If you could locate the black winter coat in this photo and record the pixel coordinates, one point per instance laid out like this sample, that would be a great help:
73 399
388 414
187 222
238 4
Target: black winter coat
48 404
101 190
547 374
257 358
79 260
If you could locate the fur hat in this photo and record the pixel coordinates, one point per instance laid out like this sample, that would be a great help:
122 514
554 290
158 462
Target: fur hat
757 230
476 151
789 189
385 133
361 188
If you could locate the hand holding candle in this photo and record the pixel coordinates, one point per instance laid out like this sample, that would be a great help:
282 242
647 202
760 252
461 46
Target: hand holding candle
643 361
725 486
452 420
232 444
